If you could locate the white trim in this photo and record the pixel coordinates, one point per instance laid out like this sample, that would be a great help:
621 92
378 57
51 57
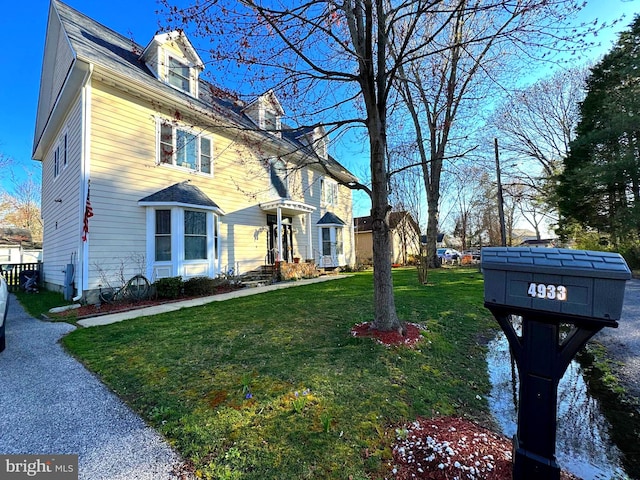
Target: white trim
178 266
199 135
329 183
290 206
188 206
85 172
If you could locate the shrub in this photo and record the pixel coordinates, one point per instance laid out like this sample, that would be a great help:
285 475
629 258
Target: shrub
631 253
196 286
169 287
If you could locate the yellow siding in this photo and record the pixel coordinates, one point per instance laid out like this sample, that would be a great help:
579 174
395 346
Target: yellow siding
57 61
62 218
123 171
364 247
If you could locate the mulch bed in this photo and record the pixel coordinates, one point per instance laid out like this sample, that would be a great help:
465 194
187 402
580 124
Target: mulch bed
88 311
443 448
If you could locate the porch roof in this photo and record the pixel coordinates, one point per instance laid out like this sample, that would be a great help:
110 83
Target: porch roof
287 206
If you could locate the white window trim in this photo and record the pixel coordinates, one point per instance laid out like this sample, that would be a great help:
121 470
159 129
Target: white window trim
199 135
56 162
325 184
178 263
335 258
193 76
60 155
65 150
263 120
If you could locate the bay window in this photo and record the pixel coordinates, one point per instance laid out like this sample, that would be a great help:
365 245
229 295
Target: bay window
195 235
163 236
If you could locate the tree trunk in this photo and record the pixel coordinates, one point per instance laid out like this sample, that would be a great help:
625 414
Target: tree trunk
432 232
386 318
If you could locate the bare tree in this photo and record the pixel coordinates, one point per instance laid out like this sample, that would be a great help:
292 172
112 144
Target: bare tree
441 87
21 207
339 61
332 59
536 125
469 200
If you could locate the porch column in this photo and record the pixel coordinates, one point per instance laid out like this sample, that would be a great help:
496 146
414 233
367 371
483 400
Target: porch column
309 238
279 217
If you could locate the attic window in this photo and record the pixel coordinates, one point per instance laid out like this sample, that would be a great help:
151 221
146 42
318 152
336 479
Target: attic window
321 147
270 121
179 75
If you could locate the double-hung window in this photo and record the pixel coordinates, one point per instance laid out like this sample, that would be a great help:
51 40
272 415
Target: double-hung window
195 235
163 235
60 156
183 148
179 75
329 192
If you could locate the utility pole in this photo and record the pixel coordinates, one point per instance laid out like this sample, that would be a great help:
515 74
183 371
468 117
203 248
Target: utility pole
503 229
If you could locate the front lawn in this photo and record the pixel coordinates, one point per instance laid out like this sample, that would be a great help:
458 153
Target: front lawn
274 386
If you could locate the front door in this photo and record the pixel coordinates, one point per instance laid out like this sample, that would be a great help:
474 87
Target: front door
272 239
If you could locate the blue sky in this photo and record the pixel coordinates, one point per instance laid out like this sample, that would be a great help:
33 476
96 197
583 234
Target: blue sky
25 23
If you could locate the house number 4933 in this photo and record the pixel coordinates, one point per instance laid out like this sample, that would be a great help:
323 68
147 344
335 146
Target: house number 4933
550 292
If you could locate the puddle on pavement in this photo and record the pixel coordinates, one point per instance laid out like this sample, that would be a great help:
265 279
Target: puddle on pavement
583 446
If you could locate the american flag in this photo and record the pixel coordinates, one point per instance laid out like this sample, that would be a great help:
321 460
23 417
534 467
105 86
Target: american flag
88 213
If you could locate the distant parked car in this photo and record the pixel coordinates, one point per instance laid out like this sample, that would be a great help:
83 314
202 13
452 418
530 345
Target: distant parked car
448 255
4 307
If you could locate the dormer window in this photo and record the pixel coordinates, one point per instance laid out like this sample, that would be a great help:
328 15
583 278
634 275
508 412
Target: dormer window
179 75
174 61
266 112
321 147
271 121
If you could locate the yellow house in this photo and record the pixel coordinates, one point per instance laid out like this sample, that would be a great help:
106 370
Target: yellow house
148 168
405 238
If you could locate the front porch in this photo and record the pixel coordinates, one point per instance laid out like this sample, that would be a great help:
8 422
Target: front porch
289 236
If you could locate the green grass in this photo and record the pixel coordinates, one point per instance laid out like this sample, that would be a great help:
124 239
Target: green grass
188 374
37 304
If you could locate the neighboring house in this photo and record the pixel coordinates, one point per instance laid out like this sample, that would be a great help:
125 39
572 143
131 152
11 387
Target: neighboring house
17 246
147 167
439 241
405 238
541 243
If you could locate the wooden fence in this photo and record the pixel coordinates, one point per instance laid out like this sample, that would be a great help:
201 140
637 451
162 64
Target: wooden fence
16 273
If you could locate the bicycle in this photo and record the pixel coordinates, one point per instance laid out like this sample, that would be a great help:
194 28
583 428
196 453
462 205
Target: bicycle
136 289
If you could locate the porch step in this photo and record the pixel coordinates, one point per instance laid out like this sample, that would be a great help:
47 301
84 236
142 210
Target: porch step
261 276
255 283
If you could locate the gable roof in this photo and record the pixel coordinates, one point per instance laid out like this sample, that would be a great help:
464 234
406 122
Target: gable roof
364 224
182 194
180 37
93 43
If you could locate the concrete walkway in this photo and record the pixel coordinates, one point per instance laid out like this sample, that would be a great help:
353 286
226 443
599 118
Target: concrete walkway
173 306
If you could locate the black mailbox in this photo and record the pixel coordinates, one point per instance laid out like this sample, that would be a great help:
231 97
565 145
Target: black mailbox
548 287
574 283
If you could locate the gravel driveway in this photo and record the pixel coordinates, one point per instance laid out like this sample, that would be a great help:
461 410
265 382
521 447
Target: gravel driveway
623 343
50 404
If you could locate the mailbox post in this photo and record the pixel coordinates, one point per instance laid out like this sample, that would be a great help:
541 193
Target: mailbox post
548 287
